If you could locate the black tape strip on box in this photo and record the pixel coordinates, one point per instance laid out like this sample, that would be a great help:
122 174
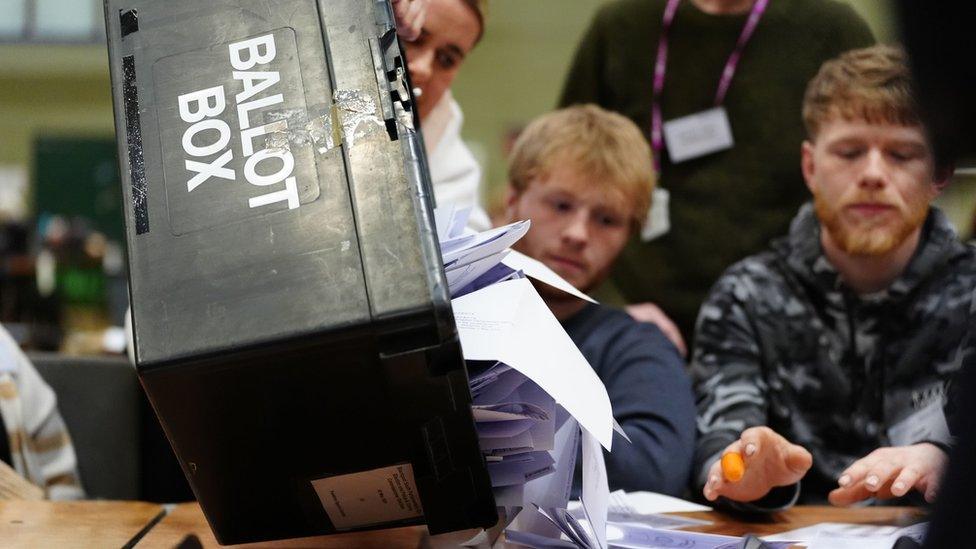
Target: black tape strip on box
133 135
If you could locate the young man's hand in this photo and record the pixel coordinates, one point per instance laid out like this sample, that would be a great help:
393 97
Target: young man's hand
892 472
410 15
770 461
649 312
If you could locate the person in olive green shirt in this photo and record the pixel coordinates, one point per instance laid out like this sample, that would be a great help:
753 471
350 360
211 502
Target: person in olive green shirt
729 204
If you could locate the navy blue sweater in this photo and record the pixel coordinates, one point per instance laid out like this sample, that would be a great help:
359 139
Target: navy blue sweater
651 397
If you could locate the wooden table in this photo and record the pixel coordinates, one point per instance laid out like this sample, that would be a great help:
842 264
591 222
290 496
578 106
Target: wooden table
799 517
95 524
188 519
114 524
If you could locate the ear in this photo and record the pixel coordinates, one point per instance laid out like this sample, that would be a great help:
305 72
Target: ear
942 176
511 203
807 163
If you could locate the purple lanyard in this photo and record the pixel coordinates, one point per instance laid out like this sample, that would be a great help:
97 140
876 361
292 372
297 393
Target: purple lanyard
657 122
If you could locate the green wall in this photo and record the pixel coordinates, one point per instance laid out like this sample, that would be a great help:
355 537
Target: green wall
51 91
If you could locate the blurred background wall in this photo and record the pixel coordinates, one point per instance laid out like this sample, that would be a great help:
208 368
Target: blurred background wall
58 173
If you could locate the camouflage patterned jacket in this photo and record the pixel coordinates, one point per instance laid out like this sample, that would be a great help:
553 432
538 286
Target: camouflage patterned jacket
782 342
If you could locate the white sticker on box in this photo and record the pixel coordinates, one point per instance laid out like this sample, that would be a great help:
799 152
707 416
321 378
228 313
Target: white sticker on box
379 496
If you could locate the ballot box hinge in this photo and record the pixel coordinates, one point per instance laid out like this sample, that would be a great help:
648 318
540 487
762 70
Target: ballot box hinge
396 101
128 22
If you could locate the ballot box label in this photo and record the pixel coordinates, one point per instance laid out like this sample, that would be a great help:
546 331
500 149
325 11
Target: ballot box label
379 496
232 118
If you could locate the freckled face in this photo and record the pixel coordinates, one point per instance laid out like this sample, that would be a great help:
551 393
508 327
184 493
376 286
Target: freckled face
578 229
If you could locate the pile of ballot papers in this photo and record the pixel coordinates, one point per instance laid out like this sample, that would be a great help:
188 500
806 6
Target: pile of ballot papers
535 397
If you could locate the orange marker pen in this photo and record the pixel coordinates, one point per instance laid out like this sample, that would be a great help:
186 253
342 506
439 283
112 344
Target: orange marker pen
733 467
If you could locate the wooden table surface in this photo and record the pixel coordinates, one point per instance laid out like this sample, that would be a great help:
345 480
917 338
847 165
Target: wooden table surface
188 519
801 516
114 524
96 524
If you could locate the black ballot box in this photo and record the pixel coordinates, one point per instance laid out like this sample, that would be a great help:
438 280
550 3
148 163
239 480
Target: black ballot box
291 319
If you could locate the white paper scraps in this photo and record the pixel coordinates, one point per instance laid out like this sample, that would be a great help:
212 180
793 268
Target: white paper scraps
510 323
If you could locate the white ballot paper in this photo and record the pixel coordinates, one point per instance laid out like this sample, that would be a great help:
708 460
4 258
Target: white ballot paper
646 503
552 491
837 535
485 244
577 533
510 323
621 509
521 363
536 269
450 221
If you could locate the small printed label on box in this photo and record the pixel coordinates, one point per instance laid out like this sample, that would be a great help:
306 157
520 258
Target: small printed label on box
379 496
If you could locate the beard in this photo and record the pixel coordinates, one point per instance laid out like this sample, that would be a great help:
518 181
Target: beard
871 236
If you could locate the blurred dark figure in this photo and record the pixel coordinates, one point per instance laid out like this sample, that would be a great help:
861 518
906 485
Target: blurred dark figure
31 316
939 39
940 42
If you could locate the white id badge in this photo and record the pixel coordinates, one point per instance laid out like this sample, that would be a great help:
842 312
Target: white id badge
658 221
929 423
698 134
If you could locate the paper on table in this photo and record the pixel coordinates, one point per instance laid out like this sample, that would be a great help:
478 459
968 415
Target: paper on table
635 536
536 269
646 503
509 322
619 511
842 535
638 536
663 522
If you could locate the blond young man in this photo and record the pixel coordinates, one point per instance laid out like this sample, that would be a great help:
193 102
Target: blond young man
584 176
828 358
